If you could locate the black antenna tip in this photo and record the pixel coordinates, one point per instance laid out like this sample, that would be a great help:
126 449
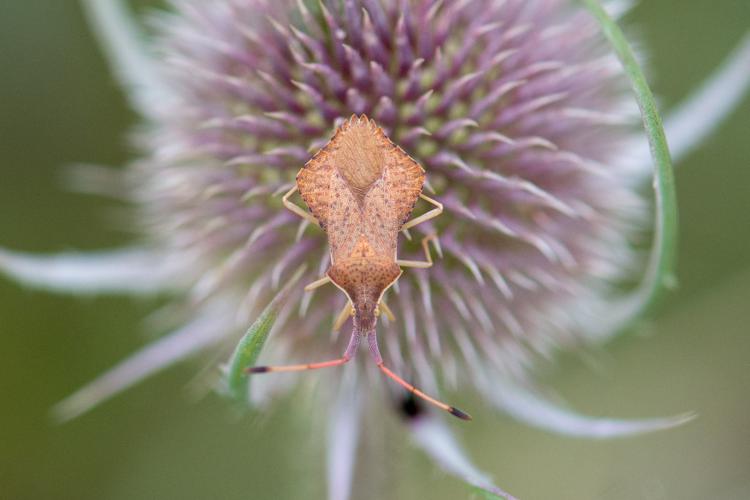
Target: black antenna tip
257 369
458 413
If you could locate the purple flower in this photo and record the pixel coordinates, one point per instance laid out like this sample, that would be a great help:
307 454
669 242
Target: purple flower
520 116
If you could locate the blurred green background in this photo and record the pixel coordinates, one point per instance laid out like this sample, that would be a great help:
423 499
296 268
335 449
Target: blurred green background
59 105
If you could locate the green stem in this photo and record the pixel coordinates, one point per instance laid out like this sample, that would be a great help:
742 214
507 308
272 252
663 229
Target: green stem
659 273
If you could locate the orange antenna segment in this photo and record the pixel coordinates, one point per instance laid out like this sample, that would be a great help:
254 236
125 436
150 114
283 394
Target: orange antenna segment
450 409
348 354
373 341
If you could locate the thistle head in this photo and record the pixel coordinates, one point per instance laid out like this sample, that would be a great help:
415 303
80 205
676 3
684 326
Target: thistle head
515 110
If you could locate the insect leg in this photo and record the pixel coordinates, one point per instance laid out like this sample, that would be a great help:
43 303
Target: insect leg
348 354
317 283
347 311
387 311
372 339
425 217
422 264
296 209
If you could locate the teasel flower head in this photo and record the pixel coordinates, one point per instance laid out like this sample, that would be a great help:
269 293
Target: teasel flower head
519 113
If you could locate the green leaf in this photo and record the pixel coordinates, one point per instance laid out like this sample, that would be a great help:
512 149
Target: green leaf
250 345
659 273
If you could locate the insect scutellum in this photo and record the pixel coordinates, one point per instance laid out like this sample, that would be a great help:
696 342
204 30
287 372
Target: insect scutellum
361 190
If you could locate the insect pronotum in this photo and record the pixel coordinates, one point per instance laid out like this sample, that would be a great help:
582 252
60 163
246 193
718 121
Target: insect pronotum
361 189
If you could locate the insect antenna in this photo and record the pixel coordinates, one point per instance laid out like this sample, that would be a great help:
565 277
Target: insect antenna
409 387
348 355
351 349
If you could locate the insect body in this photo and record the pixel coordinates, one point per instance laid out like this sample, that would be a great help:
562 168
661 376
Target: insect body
361 189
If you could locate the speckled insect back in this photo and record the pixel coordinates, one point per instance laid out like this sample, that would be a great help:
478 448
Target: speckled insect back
361 189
